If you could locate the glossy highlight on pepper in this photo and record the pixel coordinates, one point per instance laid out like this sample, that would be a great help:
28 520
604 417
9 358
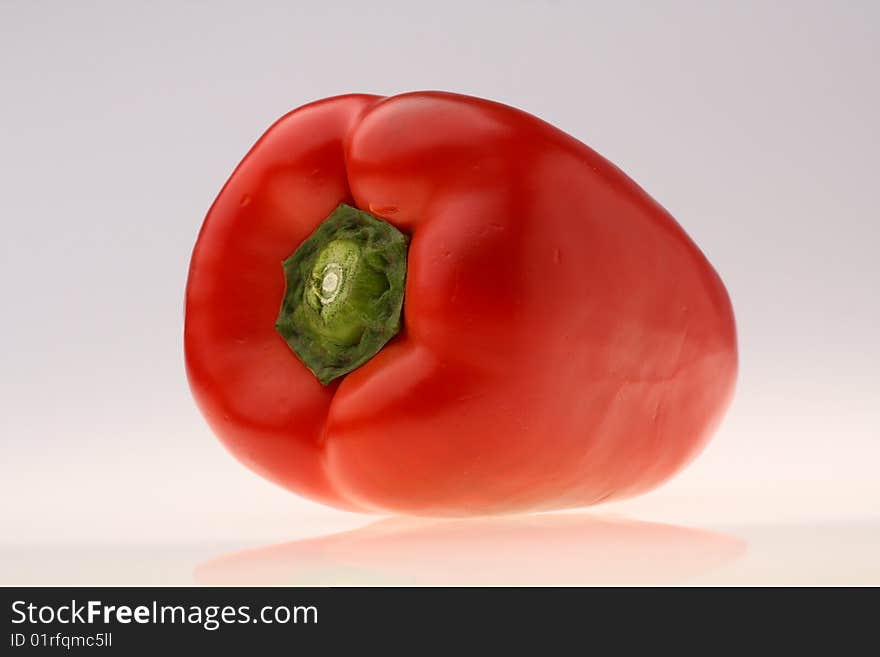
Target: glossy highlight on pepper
531 331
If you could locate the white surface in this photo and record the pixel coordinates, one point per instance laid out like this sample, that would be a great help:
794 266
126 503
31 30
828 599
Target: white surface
597 550
755 125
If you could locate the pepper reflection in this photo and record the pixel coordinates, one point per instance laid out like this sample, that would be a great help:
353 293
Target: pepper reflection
548 549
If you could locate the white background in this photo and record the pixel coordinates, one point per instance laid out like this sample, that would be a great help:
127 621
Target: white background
754 123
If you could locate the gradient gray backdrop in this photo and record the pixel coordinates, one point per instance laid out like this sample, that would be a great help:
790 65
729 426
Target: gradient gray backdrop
754 123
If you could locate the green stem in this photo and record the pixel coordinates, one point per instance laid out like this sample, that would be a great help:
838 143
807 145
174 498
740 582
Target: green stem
344 293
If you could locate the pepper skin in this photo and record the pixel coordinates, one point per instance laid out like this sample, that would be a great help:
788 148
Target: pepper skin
564 341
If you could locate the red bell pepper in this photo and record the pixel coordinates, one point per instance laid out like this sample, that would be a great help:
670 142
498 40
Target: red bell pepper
437 304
